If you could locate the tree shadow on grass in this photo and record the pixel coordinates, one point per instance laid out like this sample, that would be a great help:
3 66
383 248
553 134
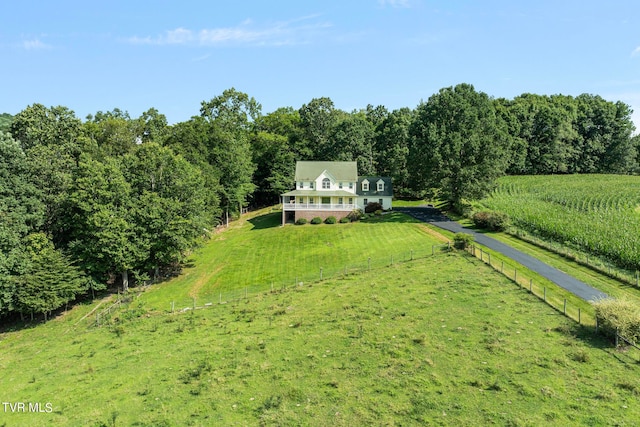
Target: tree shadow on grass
270 220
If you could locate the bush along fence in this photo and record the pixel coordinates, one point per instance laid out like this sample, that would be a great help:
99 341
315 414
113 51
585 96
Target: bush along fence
368 264
520 276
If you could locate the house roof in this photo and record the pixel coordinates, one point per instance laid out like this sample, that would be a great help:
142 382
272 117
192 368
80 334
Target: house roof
340 171
373 186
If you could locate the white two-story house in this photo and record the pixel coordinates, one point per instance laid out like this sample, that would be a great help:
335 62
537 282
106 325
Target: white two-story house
326 189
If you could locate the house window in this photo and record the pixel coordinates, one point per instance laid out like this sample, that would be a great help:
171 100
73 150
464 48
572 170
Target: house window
326 200
366 202
365 185
339 200
326 184
340 186
310 200
300 185
380 201
351 186
311 185
380 186
350 200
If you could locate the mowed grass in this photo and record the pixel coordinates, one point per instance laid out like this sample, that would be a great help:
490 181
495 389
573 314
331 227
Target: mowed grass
257 253
443 340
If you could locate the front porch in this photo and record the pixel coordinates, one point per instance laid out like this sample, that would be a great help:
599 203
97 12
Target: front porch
309 204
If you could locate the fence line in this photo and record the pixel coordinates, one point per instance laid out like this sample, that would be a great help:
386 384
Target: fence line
595 263
300 280
105 314
520 278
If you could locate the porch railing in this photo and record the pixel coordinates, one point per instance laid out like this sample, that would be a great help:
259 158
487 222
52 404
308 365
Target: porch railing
318 207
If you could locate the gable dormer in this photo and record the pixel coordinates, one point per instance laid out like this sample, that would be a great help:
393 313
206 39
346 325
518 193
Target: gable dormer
365 185
380 185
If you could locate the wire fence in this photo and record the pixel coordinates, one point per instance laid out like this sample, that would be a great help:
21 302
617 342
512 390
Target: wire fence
522 277
302 279
593 262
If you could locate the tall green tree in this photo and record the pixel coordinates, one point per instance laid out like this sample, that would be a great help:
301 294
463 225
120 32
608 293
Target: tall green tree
49 280
547 128
104 238
392 148
190 139
605 129
318 120
54 126
231 118
169 203
52 141
21 212
457 144
275 163
352 139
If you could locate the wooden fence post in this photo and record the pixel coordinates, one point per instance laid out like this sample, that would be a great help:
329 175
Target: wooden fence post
565 307
545 294
579 316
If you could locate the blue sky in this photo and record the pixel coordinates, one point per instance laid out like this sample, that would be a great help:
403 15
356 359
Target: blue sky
172 55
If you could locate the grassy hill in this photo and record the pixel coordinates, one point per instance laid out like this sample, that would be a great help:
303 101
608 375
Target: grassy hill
441 340
256 254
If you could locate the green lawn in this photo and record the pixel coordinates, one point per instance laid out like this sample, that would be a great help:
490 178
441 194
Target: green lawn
439 341
257 253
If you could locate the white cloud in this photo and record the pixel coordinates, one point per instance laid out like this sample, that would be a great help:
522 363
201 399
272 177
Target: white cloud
298 31
636 51
34 44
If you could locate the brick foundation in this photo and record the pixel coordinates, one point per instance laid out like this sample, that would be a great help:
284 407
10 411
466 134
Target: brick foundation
309 215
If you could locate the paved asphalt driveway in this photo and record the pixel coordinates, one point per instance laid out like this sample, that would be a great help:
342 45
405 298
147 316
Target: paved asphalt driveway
573 285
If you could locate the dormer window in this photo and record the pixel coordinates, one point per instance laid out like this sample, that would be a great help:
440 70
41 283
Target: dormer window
365 185
381 185
326 184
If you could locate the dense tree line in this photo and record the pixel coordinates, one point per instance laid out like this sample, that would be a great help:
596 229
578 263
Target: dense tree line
114 200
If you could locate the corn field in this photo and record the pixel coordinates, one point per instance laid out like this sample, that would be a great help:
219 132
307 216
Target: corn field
598 214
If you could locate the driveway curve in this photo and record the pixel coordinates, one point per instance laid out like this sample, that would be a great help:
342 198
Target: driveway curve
435 217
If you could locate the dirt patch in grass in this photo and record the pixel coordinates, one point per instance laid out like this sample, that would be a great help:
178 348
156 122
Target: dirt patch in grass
434 233
203 280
